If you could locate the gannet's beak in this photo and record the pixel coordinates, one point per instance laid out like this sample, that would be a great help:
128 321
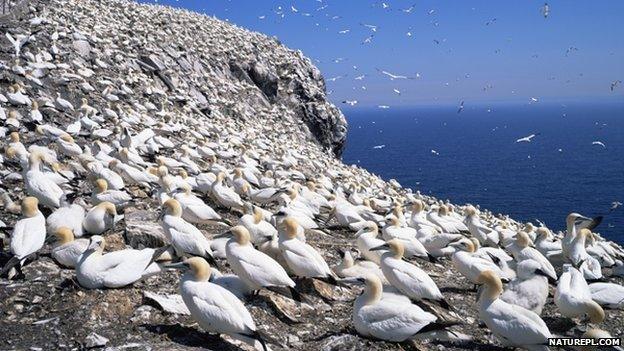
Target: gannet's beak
380 247
179 266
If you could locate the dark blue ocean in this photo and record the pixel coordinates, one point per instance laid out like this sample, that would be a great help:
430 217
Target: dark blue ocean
479 161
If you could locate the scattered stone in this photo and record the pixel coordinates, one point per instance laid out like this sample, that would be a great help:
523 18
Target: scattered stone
143 230
169 302
95 340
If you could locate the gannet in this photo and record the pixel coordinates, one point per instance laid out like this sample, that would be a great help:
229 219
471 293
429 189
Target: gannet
366 240
407 236
215 308
349 268
115 269
302 258
550 249
588 265
471 266
258 228
225 196
28 235
485 235
195 210
574 223
100 218
254 267
573 297
406 277
513 325
101 193
525 252
40 186
70 216
67 249
185 238
392 319
529 289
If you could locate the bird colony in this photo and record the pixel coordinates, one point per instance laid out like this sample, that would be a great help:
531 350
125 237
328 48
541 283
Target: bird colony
170 181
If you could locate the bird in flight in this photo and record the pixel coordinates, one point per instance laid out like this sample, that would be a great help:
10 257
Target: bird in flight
379 146
368 39
461 107
350 102
615 205
383 107
397 91
372 27
435 152
597 142
545 10
527 139
392 76
614 84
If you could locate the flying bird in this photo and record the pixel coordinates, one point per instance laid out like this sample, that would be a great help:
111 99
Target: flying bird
461 107
599 143
615 205
368 39
545 10
350 102
527 139
397 91
372 27
392 76
383 107
492 21
435 152
379 146
409 9
614 84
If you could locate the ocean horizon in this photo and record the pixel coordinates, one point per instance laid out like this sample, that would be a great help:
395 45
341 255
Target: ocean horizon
473 157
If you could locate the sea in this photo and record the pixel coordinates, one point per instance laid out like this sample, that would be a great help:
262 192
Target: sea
472 156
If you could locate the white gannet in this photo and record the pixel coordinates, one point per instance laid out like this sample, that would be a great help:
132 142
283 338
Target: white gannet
407 236
185 238
195 210
513 325
525 252
28 235
529 289
215 308
302 259
224 195
349 268
588 265
254 267
101 193
366 240
100 218
70 216
67 249
610 295
406 277
486 236
115 269
393 319
469 265
39 185
258 228
573 297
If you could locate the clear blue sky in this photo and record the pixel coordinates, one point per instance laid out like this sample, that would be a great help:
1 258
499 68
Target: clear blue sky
518 56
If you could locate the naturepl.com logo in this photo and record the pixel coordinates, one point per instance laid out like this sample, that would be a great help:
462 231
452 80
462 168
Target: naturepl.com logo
598 342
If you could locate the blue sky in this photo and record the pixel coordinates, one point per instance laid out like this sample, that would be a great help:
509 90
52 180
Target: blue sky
517 56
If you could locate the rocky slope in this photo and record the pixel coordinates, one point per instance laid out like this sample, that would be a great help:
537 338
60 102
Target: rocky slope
193 79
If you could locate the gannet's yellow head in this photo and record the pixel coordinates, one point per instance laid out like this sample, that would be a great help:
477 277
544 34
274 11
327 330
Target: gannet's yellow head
163 171
112 164
241 235
199 268
543 232
418 206
64 235
34 105
101 185
291 225
394 221
373 288
96 243
14 137
396 248
10 152
30 206
109 207
522 239
492 283
292 193
172 207
443 210
464 245
257 214
35 157
183 174
237 172
585 233
471 211
475 242
220 177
